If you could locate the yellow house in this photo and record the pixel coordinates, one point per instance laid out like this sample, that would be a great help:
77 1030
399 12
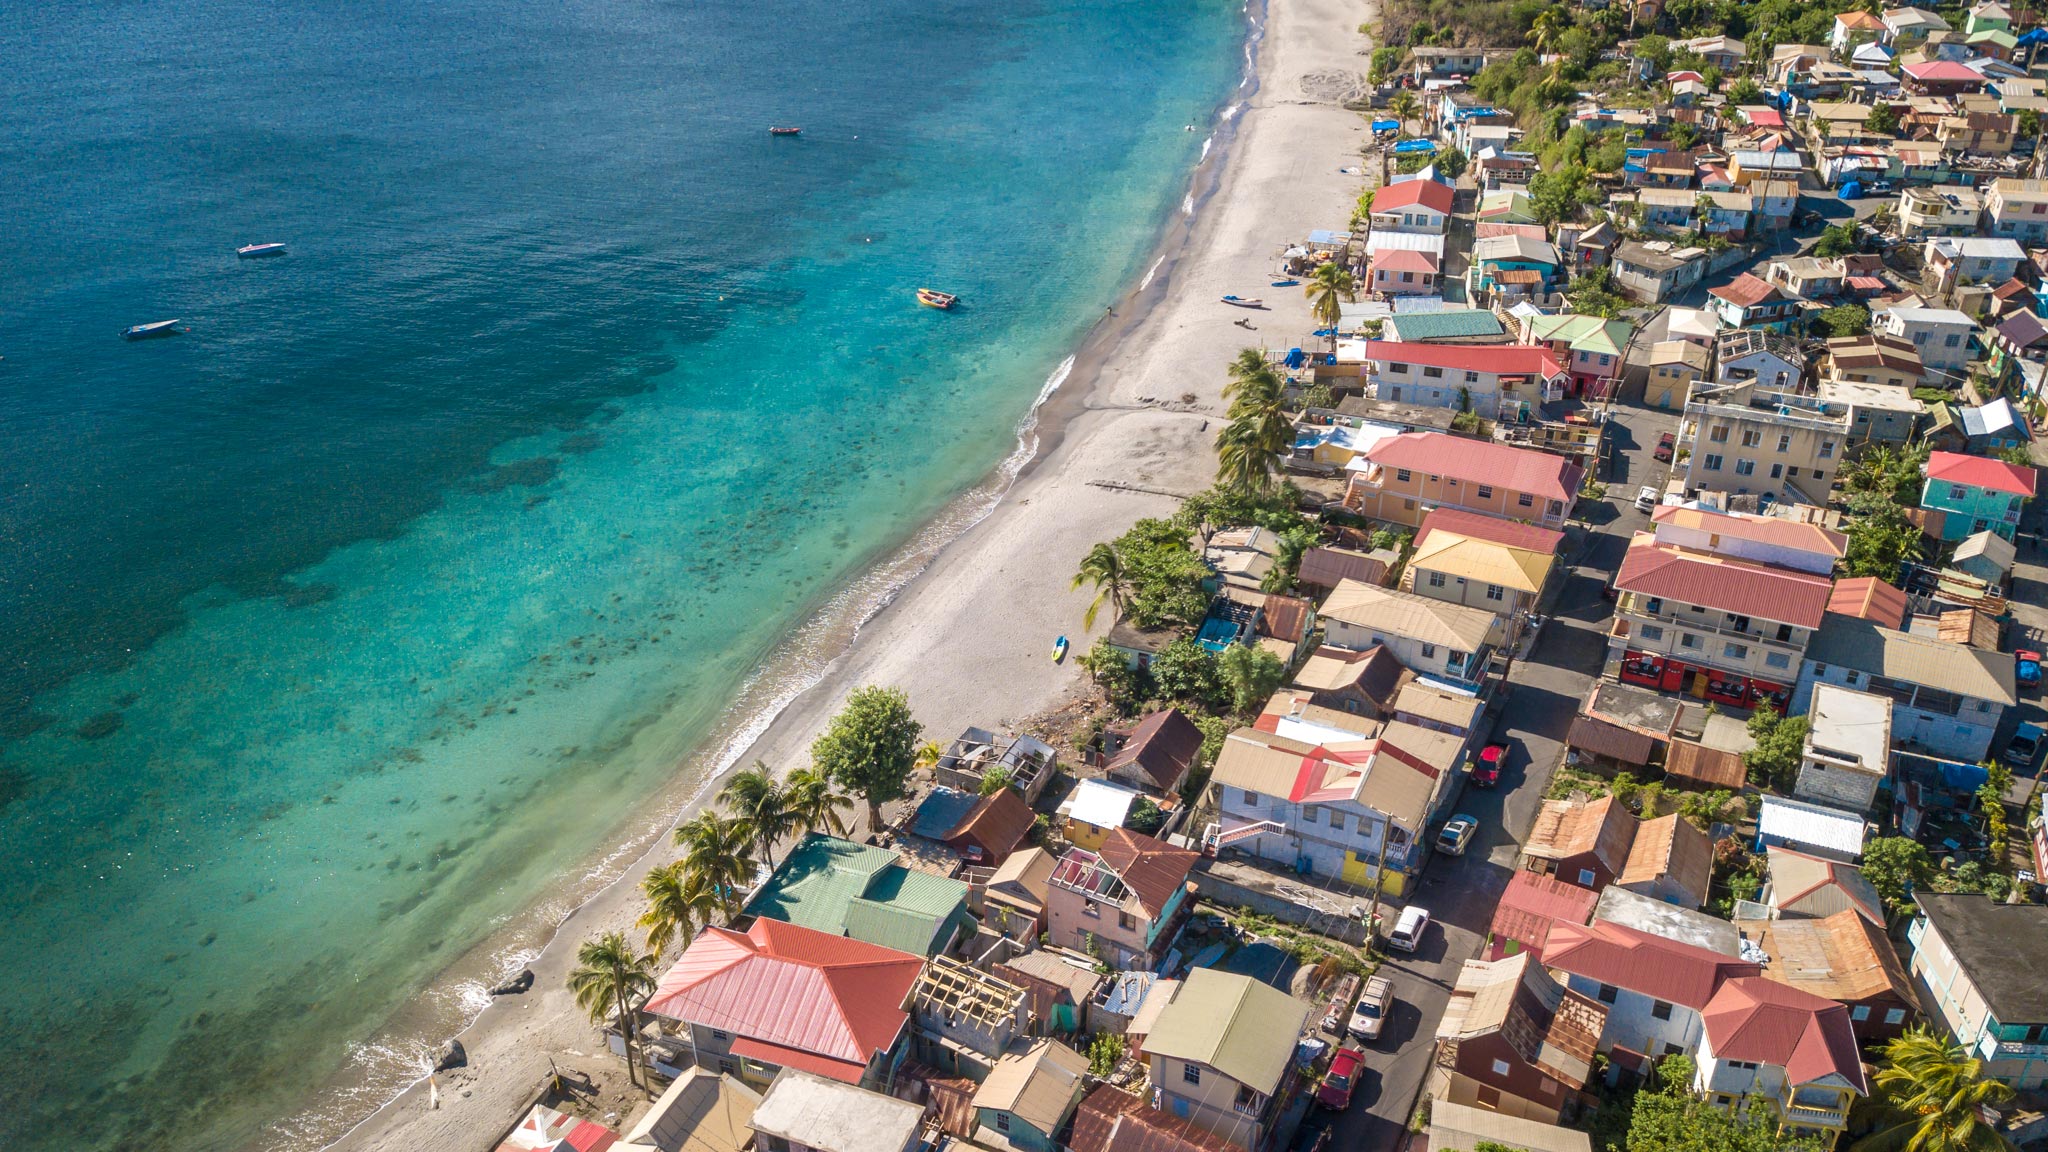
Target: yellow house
1093 810
1674 366
1482 562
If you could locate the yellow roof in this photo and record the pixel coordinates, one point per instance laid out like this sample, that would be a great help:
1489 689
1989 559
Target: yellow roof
1484 561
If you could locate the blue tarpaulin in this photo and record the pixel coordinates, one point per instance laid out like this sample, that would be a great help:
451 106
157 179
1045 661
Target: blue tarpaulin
1850 190
1294 358
1407 147
1386 125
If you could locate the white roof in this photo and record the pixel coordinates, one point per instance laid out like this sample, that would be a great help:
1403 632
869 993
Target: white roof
1100 803
1851 723
1429 242
1694 321
1311 733
1929 316
834 1117
1815 824
1982 247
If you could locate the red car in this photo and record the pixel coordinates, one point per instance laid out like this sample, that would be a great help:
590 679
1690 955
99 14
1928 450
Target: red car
1486 773
1345 1069
1665 445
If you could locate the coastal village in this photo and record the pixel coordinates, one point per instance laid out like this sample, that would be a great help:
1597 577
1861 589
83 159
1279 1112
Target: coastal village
1596 707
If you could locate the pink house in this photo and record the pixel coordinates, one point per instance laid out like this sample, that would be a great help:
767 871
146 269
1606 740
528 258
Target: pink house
1398 272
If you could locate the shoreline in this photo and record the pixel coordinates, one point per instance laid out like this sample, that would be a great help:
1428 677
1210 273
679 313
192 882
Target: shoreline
994 565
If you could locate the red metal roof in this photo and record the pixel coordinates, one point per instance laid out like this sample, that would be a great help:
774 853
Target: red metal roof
1981 472
1684 576
1664 969
1473 525
1402 260
1771 1023
792 987
1505 359
1868 598
1942 71
1747 291
1479 461
1533 902
783 1056
1409 193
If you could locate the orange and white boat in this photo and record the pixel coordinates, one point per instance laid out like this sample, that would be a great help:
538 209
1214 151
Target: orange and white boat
933 298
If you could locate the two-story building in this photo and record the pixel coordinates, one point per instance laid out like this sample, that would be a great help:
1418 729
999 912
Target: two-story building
1947 699
1771 1050
1400 479
1591 348
1770 360
1433 638
1844 958
804 1112
1768 540
1961 260
1652 272
1510 267
2017 209
1939 210
1411 206
1853 29
1807 277
1675 366
1940 335
1654 988
1750 301
1221 1050
1120 903
1483 562
1976 494
1745 438
1498 381
1513 1040
1029 1096
1586 844
1977 965
1730 630
1847 752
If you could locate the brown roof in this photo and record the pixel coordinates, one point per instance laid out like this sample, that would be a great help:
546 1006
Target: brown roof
1374 672
1533 902
1674 847
1868 598
1747 291
1589 734
1564 829
1152 869
1685 576
1112 1120
1700 764
998 822
1843 957
1284 617
1164 746
1324 567
1967 626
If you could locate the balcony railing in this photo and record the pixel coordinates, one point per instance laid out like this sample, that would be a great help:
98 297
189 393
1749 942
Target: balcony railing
1633 603
1819 1117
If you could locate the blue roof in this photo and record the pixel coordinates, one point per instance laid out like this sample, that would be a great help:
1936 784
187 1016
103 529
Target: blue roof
942 812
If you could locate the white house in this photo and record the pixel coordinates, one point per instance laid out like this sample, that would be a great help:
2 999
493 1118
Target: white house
1947 699
1654 988
1940 335
1974 259
1848 748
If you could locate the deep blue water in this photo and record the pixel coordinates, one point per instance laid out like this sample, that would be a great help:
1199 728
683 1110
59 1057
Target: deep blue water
337 630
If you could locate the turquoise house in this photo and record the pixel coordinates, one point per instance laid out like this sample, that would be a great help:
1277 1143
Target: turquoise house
1976 493
1028 1097
1512 265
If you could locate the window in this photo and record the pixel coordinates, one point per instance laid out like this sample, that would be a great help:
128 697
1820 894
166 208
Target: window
1486 492
1191 1073
1495 592
1586 878
1002 1121
1403 475
1607 993
1408 505
1126 921
1847 677
1654 605
1500 1067
1556 508
718 1035
1777 660
1651 632
1336 818
1860 1012
1436 579
1432 373
1745 467
1688 640
1784 442
1894 1015
1091 908
1751 437
1735 651
1713 462
1777 471
1953 340
1827 449
1429 651
1407 277
1398 369
1660 1010
1471 377
1718 434
1957 492
1605 360
1251 799
1525 500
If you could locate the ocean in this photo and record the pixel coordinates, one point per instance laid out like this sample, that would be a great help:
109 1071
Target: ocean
349 629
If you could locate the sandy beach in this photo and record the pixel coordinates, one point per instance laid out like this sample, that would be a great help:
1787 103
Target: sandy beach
969 638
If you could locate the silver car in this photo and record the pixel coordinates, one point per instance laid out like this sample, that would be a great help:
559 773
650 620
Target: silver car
1457 835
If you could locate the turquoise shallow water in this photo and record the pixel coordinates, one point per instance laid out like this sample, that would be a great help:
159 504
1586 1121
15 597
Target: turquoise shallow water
341 629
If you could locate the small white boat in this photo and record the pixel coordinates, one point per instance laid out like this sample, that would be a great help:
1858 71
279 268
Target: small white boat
1244 301
151 331
259 251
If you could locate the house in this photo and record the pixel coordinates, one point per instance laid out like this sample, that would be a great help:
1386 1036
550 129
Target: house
963 1019
1941 210
1511 266
1362 683
1325 567
1059 987
1847 753
1940 78
1977 133
1886 413
1746 166
1991 427
1498 381
1771 1048
1770 540
1669 209
1671 860
1029 1096
1155 754
1399 272
1112 1120
1662 169
1907 27
1751 302
803 1112
1402 478
1976 493
1119 903
984 830
1947 699
1727 214
2017 209
1484 562
1666 921
780 996
1439 61
1221 1050
1411 206
1449 326
1241 558
1868 598
701 1111
1723 52
1429 637
1654 988
1773 203
1986 556
1591 348
1853 29
1675 366
1807 277
1515 1041
1957 260
1532 902
1651 273
1871 360
1013 899
1844 958
1977 966
1745 437
1461 1128
1027 761
1348 810
1814 829
846 889
546 1129
1584 843
1755 355
1438 707
1800 886
1730 630
1093 810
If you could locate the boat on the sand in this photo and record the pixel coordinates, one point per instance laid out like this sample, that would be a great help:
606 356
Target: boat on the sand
1059 650
1244 301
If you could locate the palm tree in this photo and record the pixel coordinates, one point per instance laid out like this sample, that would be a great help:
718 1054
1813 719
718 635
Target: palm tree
816 802
608 977
1243 461
678 904
1932 1097
1404 106
1252 376
1105 569
1327 290
1548 27
718 852
755 797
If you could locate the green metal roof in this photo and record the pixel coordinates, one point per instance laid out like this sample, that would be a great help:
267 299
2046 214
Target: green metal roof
1583 333
1449 324
851 889
1234 1024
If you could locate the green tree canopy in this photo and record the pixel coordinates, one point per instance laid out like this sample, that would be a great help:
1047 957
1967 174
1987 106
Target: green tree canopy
1846 320
870 747
1251 674
1835 240
1774 759
1883 118
1931 1097
609 978
1896 866
1187 673
1880 538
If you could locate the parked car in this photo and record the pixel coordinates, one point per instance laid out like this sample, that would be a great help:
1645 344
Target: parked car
2026 668
1646 498
1408 930
1666 445
2023 747
1486 773
1371 1014
1456 835
1345 1068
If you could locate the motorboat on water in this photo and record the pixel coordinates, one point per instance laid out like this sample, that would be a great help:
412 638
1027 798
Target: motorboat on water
781 131
933 298
1244 301
259 251
151 331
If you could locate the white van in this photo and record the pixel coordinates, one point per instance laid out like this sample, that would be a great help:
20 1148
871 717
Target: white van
1408 930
